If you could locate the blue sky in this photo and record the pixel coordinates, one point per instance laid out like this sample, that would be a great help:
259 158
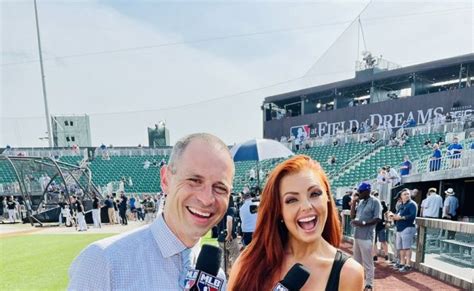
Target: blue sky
130 64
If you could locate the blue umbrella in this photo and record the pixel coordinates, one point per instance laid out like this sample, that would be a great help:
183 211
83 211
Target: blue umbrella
259 150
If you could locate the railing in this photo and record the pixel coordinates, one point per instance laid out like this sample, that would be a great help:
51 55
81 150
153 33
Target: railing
445 250
441 248
60 152
457 125
135 151
446 162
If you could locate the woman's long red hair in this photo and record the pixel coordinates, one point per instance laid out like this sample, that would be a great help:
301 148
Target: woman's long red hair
261 261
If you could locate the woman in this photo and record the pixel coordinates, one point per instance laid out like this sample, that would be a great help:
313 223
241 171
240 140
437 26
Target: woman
297 223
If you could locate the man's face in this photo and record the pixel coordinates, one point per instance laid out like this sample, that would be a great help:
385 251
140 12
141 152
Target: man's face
405 196
198 192
364 194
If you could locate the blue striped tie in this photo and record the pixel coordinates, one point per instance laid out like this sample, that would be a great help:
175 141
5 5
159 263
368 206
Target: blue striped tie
186 265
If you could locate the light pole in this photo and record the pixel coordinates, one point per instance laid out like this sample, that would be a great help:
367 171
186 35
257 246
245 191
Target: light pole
46 109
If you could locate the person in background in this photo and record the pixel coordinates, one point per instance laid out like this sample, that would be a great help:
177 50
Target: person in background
346 209
393 177
11 206
432 205
450 209
381 233
405 223
405 166
96 211
122 206
81 220
133 208
364 219
435 160
454 153
110 209
227 237
248 219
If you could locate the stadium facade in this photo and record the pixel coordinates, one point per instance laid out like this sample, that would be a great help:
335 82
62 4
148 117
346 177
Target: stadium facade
378 96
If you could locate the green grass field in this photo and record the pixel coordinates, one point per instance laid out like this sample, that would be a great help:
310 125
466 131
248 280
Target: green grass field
41 262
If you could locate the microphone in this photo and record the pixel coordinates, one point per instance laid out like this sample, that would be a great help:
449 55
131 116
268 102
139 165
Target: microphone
294 279
204 277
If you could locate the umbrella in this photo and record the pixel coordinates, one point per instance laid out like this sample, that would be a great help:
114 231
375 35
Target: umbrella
259 150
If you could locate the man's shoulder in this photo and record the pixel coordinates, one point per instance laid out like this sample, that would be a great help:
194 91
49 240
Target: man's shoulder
123 241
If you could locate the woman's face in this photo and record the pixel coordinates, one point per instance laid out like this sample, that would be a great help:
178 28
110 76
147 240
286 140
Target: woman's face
304 205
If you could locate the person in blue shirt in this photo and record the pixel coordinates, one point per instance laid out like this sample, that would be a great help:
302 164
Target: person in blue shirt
435 160
454 152
405 166
472 145
405 223
411 122
450 209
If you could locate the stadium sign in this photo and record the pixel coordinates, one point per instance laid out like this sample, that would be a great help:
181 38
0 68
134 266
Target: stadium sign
422 108
394 120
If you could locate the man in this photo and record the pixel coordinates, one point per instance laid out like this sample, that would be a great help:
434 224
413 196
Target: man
248 218
405 166
149 205
430 207
122 206
454 153
11 206
96 211
450 210
393 176
405 223
227 237
197 182
81 219
110 209
346 209
364 219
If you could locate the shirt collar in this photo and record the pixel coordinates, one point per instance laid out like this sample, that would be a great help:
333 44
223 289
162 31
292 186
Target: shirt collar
168 243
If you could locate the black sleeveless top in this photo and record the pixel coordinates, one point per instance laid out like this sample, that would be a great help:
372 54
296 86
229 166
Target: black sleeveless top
333 281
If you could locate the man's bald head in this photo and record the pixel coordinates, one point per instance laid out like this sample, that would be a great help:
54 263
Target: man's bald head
183 143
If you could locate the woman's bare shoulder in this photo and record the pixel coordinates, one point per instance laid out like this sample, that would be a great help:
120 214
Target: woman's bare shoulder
352 276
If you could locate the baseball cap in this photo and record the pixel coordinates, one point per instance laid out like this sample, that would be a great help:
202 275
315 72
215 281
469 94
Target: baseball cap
364 187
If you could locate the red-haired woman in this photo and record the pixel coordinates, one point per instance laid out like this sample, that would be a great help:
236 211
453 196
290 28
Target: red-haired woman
297 223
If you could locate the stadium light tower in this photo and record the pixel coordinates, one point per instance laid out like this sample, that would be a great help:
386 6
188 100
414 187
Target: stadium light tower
46 109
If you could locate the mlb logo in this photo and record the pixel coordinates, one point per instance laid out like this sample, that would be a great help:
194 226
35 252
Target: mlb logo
300 132
208 282
191 277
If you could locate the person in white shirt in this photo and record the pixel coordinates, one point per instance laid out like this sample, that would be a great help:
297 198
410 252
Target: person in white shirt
432 204
252 174
393 176
248 218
